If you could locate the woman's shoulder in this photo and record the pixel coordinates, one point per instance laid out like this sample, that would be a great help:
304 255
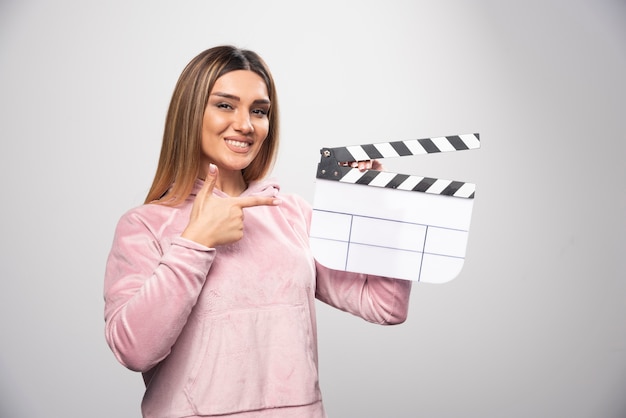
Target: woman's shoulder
295 207
149 215
295 200
149 210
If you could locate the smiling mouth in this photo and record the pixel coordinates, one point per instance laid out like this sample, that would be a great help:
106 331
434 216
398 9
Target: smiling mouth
238 144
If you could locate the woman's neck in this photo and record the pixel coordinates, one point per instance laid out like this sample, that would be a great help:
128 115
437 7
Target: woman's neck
231 182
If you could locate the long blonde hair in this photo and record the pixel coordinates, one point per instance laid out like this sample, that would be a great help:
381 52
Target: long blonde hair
179 162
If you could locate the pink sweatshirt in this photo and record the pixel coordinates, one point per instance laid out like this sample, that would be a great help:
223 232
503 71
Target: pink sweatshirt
229 331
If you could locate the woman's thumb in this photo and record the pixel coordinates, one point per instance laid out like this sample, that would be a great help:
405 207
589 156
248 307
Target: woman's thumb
211 178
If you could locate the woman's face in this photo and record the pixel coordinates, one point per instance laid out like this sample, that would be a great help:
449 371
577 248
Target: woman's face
235 122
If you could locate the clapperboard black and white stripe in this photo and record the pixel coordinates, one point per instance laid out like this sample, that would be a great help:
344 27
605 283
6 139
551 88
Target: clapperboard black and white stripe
389 230
332 170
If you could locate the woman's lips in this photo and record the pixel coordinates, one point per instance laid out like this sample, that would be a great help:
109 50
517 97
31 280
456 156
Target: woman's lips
238 146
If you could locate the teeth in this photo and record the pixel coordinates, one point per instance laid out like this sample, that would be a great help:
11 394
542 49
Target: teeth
238 144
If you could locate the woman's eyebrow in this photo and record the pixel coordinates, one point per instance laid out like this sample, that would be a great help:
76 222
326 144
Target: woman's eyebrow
238 99
226 95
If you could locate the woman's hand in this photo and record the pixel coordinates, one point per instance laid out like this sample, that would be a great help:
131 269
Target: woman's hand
365 165
217 221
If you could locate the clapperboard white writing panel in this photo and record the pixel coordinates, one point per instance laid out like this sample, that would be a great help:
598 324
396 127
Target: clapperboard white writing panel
389 224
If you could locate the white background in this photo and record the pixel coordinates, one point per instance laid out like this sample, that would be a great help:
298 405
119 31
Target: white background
534 326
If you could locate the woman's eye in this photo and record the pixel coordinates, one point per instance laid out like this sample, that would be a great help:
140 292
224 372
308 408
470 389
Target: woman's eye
260 112
224 106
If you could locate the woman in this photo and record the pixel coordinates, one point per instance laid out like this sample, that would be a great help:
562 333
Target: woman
210 285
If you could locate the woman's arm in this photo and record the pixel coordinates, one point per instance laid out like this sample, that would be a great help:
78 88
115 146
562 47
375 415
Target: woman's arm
376 299
149 293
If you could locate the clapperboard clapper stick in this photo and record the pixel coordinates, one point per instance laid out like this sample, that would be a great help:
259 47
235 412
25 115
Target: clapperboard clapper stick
388 224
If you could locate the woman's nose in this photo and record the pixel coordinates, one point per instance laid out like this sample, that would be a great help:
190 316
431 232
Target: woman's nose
243 123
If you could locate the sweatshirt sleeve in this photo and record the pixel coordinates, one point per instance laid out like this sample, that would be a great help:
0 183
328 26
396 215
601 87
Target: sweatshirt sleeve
376 299
149 293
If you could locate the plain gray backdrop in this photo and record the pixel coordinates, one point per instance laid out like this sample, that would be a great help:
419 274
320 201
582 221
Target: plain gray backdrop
535 324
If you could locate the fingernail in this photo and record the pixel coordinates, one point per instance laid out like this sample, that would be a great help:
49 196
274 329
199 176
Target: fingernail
212 168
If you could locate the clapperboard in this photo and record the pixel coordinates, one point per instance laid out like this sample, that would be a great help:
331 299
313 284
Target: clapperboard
388 224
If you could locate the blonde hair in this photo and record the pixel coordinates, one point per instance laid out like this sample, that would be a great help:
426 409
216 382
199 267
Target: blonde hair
179 162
